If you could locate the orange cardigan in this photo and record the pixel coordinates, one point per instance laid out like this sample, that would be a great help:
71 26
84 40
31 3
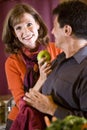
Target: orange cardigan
15 70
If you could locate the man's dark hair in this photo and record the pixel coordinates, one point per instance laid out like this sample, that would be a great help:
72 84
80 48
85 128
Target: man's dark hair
73 13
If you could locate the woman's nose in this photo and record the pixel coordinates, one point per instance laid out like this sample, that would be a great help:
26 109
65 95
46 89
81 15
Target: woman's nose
25 29
52 31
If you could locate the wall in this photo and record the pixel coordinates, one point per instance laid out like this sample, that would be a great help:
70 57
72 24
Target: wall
44 7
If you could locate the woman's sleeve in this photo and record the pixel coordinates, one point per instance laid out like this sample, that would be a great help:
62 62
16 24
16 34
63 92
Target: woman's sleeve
14 79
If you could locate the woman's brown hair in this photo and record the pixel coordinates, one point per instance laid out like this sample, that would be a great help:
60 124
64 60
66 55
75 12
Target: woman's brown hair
12 44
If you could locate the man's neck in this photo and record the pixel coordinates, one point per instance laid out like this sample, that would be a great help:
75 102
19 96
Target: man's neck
74 47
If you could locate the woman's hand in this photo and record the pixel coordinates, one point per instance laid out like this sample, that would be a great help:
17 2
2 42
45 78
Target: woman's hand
44 68
41 102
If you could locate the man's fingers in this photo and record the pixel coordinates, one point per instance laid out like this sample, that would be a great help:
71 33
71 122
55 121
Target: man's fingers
54 118
47 121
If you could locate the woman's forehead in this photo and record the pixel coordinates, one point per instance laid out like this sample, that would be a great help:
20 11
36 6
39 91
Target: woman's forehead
23 17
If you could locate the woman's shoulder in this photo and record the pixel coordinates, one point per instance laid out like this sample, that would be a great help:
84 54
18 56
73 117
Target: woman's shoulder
13 59
52 46
53 50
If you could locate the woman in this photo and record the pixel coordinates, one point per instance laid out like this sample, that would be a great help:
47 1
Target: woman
24 35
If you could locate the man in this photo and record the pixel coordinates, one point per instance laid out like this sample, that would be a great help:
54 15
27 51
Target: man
65 90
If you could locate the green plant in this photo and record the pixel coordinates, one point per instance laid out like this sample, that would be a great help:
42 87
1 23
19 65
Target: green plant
69 123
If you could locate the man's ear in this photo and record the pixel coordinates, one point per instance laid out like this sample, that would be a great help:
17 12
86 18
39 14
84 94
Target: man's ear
67 30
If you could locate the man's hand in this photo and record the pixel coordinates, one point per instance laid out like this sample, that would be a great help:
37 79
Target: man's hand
48 122
41 102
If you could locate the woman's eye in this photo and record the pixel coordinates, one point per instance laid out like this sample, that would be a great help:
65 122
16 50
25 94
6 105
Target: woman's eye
29 24
18 28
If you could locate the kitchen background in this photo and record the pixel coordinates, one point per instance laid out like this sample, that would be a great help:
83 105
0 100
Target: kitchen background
44 7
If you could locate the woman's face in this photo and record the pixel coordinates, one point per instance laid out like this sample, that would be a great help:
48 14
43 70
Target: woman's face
27 31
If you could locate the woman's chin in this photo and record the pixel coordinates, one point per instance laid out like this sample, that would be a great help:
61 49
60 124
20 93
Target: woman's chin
33 49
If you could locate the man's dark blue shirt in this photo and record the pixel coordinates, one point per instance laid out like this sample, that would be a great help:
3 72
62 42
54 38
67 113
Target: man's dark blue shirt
68 84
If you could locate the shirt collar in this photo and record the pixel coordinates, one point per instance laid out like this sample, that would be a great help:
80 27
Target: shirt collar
81 54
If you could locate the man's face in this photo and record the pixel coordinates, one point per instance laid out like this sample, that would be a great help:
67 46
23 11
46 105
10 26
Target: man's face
58 33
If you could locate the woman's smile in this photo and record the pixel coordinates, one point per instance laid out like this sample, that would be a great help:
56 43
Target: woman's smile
27 31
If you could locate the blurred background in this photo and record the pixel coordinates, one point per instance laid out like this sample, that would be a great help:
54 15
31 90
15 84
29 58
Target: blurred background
44 7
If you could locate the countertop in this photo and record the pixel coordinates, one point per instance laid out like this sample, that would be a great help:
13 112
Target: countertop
2 127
